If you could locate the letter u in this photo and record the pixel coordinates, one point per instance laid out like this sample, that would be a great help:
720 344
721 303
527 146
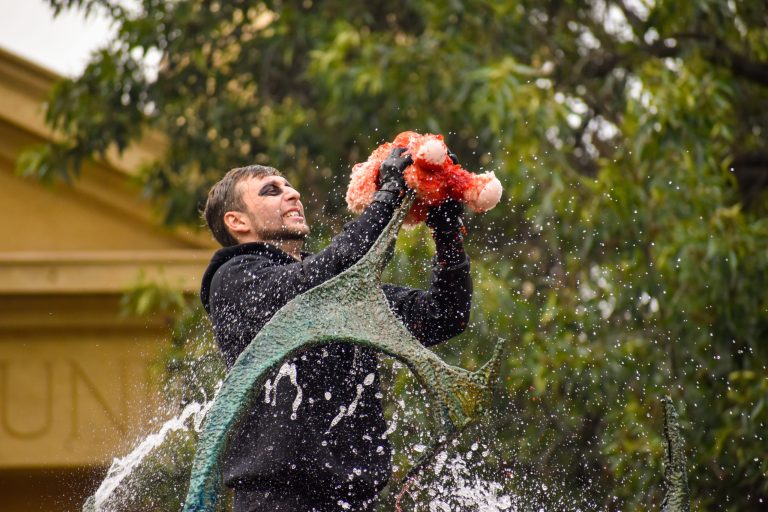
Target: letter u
5 399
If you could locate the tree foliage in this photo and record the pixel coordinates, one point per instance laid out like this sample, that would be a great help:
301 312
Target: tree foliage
628 259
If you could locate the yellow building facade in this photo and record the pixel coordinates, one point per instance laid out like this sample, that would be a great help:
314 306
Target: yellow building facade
76 388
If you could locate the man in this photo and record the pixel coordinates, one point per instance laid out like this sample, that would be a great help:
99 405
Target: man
315 440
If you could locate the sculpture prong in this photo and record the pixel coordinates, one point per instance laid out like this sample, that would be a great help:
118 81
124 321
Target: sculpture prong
490 370
676 497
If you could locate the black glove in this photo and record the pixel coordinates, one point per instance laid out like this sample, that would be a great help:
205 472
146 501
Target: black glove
446 217
453 157
391 171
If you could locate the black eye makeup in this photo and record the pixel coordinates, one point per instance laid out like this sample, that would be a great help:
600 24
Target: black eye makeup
270 189
273 188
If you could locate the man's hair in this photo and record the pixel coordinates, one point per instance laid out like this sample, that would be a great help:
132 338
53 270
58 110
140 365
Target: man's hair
225 197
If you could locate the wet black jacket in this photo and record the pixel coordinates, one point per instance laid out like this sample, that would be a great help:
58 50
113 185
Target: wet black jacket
319 418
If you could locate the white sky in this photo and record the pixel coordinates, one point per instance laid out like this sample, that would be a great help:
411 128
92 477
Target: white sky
28 29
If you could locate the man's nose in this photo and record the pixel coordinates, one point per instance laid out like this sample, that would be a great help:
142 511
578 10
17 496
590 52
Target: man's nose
292 194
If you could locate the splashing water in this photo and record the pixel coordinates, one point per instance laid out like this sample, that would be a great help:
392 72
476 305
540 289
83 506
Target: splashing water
461 482
270 389
117 491
349 411
457 488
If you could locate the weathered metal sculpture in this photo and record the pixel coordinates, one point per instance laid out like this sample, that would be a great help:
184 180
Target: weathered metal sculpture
352 308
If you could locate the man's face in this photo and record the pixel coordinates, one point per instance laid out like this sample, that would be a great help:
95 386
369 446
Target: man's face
274 210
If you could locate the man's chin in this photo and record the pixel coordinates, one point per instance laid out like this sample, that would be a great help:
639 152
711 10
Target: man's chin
292 235
284 235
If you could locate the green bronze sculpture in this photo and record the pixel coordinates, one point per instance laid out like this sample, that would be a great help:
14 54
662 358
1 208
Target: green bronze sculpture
352 308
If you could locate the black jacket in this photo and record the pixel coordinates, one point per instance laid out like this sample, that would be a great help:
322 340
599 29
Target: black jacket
319 418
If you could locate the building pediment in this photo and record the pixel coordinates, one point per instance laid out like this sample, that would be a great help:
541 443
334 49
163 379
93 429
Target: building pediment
96 234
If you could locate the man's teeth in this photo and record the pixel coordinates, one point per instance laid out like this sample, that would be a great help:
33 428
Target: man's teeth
293 214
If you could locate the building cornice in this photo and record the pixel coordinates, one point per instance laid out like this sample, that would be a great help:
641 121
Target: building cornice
106 272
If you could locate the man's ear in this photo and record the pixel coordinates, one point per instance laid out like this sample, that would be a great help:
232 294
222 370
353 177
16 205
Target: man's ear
237 223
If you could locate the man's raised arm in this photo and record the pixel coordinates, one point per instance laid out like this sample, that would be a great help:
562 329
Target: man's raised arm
276 285
442 311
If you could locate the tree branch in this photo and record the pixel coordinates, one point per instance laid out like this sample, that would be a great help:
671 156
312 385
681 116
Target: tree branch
716 51
740 65
635 21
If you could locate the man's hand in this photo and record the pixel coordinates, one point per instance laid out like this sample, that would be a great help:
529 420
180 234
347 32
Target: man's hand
445 217
391 171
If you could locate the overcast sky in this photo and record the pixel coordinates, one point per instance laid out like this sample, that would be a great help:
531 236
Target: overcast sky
28 29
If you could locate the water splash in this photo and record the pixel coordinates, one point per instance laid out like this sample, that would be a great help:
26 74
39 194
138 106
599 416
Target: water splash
349 411
468 480
116 492
270 389
458 487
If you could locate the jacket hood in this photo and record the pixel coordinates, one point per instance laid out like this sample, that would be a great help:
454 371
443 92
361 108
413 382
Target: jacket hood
219 258
225 254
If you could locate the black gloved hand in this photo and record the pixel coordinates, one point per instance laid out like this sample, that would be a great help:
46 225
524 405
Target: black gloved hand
391 171
453 157
446 217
